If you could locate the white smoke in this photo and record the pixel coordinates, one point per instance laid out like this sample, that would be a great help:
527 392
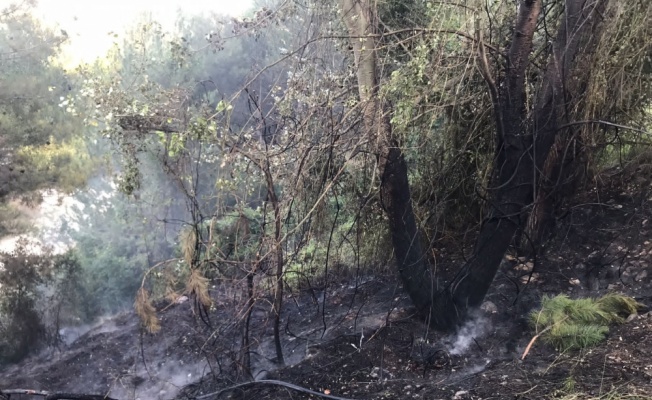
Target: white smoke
474 328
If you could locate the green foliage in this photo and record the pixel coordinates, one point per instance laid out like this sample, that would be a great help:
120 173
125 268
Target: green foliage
442 116
236 236
117 240
569 385
38 292
354 242
12 220
20 277
579 323
41 132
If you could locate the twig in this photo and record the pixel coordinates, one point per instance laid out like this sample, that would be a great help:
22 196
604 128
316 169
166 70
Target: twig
534 339
606 123
478 344
529 345
527 391
272 382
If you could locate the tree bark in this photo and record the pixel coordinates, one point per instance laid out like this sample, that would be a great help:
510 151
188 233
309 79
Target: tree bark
278 250
523 140
523 144
359 17
559 178
562 168
245 347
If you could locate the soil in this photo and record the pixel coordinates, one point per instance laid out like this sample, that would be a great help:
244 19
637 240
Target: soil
366 343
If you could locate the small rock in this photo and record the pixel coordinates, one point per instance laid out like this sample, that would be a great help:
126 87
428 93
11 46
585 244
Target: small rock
594 256
531 278
459 394
640 276
489 307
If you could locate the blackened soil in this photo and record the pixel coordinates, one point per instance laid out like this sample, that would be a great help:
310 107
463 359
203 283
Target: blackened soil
602 243
357 337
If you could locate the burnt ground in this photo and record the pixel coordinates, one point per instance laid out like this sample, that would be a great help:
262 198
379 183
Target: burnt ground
366 343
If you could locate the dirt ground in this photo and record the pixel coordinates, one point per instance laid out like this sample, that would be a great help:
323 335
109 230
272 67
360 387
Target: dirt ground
602 245
366 342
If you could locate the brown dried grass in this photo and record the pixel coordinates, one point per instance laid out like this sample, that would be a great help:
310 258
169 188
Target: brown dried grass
146 311
198 285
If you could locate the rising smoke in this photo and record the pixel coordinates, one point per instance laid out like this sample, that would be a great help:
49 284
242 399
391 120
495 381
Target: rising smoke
477 326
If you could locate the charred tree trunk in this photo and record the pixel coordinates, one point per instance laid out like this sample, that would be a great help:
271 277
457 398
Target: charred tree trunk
560 178
263 163
245 347
523 144
396 200
524 138
397 203
278 251
565 165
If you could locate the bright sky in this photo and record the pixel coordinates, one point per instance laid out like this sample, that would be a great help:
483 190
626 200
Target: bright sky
88 22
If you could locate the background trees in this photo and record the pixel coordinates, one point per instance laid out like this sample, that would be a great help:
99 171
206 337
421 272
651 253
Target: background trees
41 145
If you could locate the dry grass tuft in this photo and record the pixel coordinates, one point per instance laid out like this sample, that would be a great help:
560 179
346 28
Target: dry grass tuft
171 295
198 285
188 241
146 311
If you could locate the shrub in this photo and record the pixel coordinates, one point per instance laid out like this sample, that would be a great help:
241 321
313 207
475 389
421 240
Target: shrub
36 294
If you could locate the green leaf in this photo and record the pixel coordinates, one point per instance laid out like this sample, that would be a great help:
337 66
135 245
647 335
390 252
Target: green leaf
223 106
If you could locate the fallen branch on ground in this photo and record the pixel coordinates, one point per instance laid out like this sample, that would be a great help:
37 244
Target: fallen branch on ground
534 339
4 394
272 382
579 323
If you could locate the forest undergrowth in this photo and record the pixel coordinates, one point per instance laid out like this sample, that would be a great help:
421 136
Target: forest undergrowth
346 199
368 343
